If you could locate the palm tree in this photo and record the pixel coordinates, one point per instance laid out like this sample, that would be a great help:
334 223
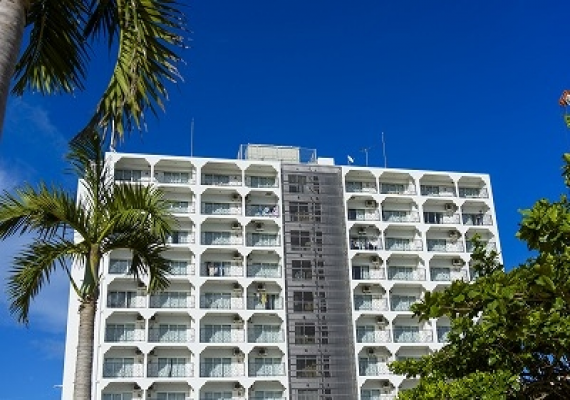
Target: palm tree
58 50
106 216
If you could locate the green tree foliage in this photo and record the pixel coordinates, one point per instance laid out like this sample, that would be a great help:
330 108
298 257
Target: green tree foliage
510 331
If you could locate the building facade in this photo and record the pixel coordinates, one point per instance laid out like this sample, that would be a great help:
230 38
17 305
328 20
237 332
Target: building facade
292 278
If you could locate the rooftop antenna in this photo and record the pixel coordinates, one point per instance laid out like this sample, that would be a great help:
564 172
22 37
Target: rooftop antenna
366 150
384 151
192 137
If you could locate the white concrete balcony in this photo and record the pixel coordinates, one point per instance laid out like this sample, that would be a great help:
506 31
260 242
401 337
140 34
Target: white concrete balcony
265 334
125 299
397 188
400 216
123 333
366 243
265 301
437 190
368 272
174 177
224 238
363 214
396 273
473 193
360 187
437 218
402 302
170 368
181 207
445 245
181 268
372 334
132 175
221 334
443 274
209 208
171 334
180 237
221 368
221 268
411 334
221 180
117 368
474 219
220 301
269 367
262 210
370 302
172 299
264 270
261 182
400 244
370 367
263 240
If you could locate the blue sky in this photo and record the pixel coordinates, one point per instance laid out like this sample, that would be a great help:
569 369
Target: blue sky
453 84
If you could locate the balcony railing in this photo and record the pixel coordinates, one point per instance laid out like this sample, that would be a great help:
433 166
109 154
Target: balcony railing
437 191
225 370
181 268
406 274
261 210
119 369
371 368
363 214
442 274
400 216
397 188
370 302
396 244
473 193
402 303
221 269
361 187
261 182
181 178
477 219
267 369
437 217
171 335
172 300
263 240
368 243
365 335
445 246
221 209
264 301
216 334
132 175
365 272
488 245
221 180
267 270
265 334
125 300
180 237
221 301
120 333
181 207
407 335
442 332
170 368
221 239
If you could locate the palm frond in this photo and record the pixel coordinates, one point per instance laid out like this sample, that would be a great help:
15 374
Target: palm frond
55 57
149 32
32 270
102 20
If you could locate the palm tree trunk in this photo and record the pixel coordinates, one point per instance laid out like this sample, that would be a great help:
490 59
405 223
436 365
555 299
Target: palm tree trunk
12 21
84 360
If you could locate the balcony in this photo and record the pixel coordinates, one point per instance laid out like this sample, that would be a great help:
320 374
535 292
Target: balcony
121 333
397 188
261 182
122 368
177 178
180 237
181 207
376 394
412 334
222 268
400 216
372 367
371 334
221 180
487 244
402 302
365 272
473 193
181 268
363 214
443 274
360 187
370 302
436 217
442 332
261 210
171 334
170 368
406 274
221 239
398 244
119 267
265 334
368 243
264 301
117 299
263 240
221 334
477 219
445 246
221 301
172 300
131 175
264 270
267 395
266 367
220 368
221 209
437 190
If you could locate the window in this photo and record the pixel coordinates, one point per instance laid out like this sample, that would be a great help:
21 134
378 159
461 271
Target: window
305 333
303 301
216 334
117 396
302 270
121 299
299 211
307 394
117 267
306 366
217 367
120 332
297 183
128 175
300 240
170 396
216 396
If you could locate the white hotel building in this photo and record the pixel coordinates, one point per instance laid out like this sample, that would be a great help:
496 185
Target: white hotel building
292 278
